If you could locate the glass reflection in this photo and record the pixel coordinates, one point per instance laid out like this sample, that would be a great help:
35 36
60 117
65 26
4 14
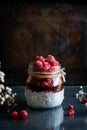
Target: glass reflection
46 119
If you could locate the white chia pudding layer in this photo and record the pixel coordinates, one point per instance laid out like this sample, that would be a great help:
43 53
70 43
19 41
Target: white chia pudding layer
44 99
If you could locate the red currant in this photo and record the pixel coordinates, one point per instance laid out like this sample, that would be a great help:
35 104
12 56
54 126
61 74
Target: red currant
23 114
14 114
84 100
70 106
71 112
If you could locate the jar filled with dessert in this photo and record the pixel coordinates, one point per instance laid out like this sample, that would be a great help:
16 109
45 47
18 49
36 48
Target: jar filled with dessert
44 87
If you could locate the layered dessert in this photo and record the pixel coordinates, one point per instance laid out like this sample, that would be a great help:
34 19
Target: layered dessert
44 87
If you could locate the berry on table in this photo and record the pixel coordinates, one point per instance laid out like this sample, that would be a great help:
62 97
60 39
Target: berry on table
84 100
71 112
23 114
14 114
70 106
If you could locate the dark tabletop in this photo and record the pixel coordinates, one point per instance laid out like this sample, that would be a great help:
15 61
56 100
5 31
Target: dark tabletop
49 119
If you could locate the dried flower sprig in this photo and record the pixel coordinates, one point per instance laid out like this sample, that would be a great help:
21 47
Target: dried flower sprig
2 75
82 96
7 97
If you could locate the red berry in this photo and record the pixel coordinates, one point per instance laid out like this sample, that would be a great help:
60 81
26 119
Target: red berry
43 84
53 68
50 58
84 100
40 58
14 114
71 112
46 65
70 106
54 63
50 81
23 114
38 63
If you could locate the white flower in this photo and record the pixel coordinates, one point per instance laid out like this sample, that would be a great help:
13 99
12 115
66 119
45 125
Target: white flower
77 95
2 74
8 89
81 87
6 96
2 99
0 90
2 86
1 102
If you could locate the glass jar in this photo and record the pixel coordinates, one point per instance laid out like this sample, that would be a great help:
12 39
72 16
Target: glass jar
45 89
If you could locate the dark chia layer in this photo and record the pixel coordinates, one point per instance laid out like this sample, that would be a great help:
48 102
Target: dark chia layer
44 88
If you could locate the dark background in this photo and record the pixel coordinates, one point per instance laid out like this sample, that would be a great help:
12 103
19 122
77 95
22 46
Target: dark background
31 28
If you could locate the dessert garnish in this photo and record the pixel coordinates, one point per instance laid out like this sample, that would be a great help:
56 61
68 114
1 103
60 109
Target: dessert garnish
46 68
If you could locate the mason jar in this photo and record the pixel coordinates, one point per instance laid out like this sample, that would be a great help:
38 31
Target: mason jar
45 89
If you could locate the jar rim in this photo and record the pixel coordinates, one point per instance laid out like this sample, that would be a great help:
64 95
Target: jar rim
55 69
42 75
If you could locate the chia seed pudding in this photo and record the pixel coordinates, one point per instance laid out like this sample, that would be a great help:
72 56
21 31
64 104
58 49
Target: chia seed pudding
44 88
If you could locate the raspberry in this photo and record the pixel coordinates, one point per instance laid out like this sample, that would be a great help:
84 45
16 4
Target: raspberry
43 84
54 63
46 65
14 114
40 58
50 58
38 63
23 114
